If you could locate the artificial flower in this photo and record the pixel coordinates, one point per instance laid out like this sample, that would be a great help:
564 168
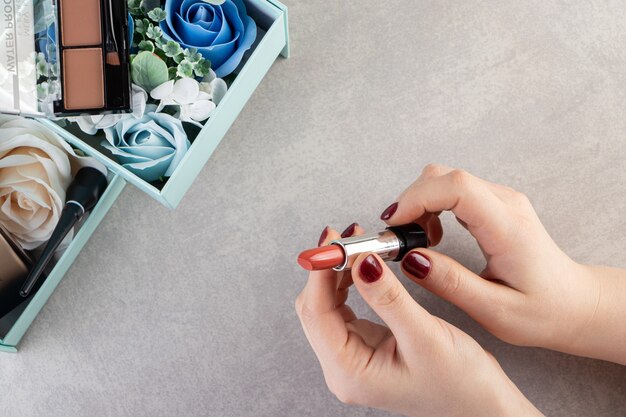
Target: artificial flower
222 33
150 147
195 100
214 86
47 43
36 167
91 124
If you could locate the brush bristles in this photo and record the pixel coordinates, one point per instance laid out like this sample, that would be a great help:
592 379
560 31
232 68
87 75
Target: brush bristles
113 58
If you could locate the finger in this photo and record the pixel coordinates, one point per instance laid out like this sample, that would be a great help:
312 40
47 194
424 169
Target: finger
435 170
384 293
430 171
346 313
373 334
323 324
321 288
345 282
434 230
453 282
470 199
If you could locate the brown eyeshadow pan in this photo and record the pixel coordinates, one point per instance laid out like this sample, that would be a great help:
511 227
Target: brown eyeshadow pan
83 78
81 23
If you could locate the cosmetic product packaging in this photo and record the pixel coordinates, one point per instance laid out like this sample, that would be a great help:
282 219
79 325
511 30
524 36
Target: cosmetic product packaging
15 264
64 57
272 41
18 314
391 245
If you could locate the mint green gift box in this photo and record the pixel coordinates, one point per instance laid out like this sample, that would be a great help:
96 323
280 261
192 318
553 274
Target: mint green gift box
272 21
272 41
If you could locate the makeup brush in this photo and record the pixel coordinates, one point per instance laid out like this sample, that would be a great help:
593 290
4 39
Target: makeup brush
113 56
82 196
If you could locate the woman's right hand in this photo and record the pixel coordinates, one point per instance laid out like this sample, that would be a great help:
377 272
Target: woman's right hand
530 292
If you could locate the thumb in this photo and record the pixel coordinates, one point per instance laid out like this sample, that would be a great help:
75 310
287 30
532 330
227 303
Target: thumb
386 295
451 281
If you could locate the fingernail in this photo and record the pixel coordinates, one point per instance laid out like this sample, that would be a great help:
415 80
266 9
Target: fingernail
417 265
370 270
389 212
349 230
323 236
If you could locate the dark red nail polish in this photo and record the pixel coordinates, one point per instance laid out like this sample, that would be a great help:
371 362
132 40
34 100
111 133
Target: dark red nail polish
349 230
371 270
389 212
417 265
323 236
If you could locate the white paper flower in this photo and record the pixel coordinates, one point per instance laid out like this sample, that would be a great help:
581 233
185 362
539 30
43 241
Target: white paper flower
91 124
195 101
36 167
215 87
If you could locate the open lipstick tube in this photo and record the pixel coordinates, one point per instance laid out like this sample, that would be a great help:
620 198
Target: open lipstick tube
391 245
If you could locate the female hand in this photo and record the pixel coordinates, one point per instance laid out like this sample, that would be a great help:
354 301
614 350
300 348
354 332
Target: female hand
530 292
418 366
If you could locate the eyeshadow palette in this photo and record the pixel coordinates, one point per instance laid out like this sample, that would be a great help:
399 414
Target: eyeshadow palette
93 56
65 57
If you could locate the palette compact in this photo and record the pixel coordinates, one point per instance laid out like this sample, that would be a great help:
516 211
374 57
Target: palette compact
15 267
65 57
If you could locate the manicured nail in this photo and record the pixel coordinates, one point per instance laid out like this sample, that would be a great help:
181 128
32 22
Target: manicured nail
349 230
323 236
371 270
389 212
417 265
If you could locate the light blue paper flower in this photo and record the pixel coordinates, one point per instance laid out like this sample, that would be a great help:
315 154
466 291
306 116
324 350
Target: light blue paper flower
221 33
150 147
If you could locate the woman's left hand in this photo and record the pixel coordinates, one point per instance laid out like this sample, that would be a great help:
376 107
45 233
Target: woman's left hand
418 366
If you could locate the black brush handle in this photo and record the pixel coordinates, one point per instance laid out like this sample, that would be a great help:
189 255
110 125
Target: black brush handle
69 217
82 196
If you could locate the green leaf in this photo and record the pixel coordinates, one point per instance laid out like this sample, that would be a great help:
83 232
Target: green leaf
157 14
160 41
43 90
202 68
148 71
42 68
172 49
149 5
161 54
185 69
146 46
141 26
178 58
172 73
134 7
154 32
193 55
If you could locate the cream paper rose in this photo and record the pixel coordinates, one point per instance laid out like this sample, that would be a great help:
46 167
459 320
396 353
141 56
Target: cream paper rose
36 168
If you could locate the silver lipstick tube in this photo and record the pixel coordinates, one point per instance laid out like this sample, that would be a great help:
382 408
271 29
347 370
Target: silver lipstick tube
385 244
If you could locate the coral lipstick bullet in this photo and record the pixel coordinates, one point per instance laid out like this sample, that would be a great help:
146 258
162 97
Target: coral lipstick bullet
326 257
391 245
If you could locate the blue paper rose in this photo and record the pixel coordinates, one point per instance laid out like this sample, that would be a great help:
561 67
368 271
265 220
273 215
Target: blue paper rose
151 147
221 33
47 43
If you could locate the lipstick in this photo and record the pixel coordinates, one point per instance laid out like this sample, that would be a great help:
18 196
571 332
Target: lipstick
391 245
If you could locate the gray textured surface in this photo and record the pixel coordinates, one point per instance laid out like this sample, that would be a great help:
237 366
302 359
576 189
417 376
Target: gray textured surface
189 313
